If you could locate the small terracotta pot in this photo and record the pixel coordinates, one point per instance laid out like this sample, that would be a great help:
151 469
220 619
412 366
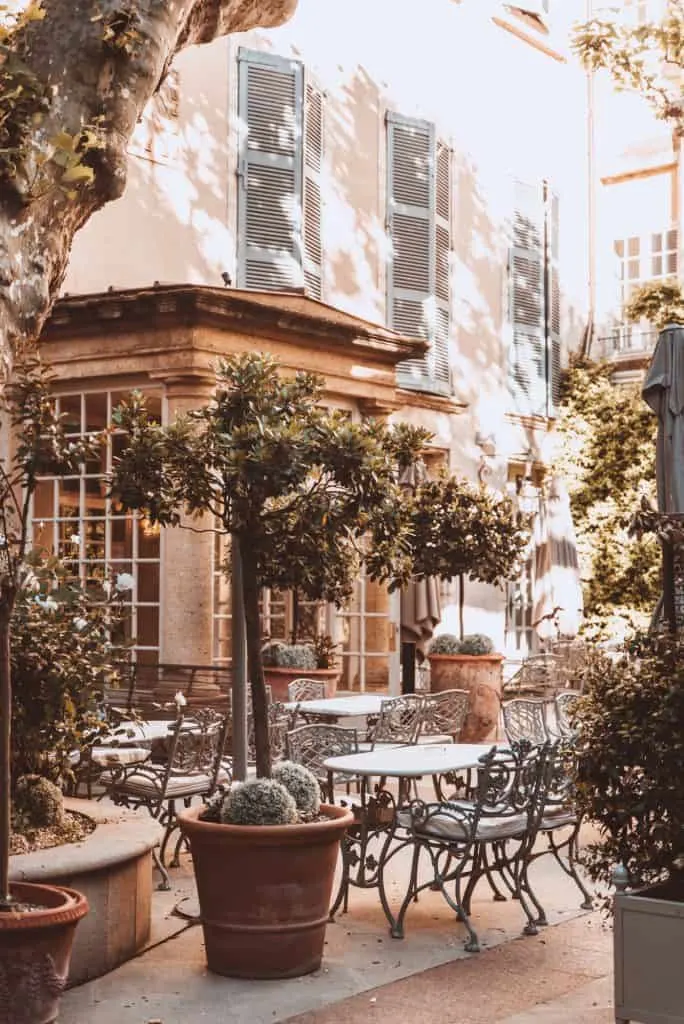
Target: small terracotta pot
35 948
280 678
264 892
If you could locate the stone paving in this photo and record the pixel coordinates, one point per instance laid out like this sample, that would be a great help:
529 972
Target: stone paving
561 975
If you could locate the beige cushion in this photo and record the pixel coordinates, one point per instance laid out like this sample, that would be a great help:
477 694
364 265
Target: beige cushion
102 756
447 826
178 786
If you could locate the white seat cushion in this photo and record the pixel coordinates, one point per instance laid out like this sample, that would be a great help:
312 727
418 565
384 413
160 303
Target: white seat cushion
447 826
178 786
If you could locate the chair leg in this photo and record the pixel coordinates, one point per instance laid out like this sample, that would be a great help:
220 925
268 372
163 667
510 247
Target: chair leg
165 884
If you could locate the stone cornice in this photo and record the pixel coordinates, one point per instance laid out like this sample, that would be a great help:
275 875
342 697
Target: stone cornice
264 314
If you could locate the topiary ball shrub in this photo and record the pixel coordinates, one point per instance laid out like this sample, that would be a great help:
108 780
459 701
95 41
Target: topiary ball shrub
281 655
446 643
475 644
302 785
37 803
259 802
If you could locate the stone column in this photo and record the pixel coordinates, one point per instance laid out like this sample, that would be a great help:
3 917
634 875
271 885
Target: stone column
186 626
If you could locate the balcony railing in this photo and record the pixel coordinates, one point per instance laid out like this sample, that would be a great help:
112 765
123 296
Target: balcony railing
625 341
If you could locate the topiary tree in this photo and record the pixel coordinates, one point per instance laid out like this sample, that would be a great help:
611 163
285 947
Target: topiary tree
606 454
306 495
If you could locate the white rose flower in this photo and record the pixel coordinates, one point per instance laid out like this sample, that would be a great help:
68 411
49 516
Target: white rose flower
80 624
48 604
180 699
75 538
124 581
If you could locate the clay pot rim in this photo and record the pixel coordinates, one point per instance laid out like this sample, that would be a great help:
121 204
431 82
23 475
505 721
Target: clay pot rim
339 818
73 907
466 657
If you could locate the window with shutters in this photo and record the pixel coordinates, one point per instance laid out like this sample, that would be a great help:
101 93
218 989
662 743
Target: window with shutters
534 295
419 229
279 176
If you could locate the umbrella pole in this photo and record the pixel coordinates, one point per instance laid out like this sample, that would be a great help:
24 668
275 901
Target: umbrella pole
461 603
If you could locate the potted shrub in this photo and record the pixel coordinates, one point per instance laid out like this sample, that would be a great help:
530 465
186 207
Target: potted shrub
37 922
628 774
304 495
284 662
469 663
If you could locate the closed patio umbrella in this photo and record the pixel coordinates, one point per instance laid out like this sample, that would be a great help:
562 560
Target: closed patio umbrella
420 607
557 591
663 391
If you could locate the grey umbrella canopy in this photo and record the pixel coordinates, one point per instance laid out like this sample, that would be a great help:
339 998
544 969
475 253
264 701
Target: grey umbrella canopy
663 391
420 607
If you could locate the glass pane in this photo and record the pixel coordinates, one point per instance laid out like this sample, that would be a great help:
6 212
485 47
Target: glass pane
619 247
633 270
147 628
657 266
95 504
93 539
672 263
96 411
70 409
69 496
98 464
656 243
672 239
148 539
122 538
633 246
148 582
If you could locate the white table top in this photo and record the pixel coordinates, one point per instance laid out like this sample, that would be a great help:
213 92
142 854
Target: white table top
360 705
411 761
127 733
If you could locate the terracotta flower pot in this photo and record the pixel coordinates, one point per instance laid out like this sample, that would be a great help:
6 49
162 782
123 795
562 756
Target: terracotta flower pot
280 678
35 948
264 892
481 675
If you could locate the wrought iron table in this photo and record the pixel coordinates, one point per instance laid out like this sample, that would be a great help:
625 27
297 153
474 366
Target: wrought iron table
367 847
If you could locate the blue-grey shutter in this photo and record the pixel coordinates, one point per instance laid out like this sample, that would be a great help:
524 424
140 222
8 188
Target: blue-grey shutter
270 172
414 308
527 356
438 357
314 133
553 320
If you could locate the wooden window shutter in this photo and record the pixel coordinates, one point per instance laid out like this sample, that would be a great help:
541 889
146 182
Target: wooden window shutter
314 134
439 355
553 314
414 307
270 108
527 357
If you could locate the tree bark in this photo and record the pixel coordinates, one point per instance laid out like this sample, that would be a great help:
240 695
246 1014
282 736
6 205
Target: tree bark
5 750
88 79
255 665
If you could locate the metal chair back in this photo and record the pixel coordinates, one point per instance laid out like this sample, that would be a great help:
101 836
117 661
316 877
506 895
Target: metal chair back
305 689
197 746
524 718
399 720
311 745
564 703
444 713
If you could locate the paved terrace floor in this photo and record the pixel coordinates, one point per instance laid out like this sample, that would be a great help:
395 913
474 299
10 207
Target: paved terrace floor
561 976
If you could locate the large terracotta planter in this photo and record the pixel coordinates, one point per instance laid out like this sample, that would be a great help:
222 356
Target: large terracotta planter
35 949
264 892
280 678
481 675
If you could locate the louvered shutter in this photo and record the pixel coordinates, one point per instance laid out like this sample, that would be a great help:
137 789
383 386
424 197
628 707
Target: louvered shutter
413 305
270 172
553 332
527 357
313 214
438 357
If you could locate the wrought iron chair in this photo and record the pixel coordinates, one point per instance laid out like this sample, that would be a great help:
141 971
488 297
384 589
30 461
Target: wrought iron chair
466 841
560 823
399 721
280 721
565 702
310 745
443 715
195 767
524 718
305 689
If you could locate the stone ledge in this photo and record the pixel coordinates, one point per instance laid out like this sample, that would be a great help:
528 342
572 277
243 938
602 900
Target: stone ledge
120 835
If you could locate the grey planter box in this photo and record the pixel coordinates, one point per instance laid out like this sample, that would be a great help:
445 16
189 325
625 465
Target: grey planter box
648 932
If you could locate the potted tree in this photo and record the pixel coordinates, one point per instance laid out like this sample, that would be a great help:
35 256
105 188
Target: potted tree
469 663
305 494
628 771
284 662
37 922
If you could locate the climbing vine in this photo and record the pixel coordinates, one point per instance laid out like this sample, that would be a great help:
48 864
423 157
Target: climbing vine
607 456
